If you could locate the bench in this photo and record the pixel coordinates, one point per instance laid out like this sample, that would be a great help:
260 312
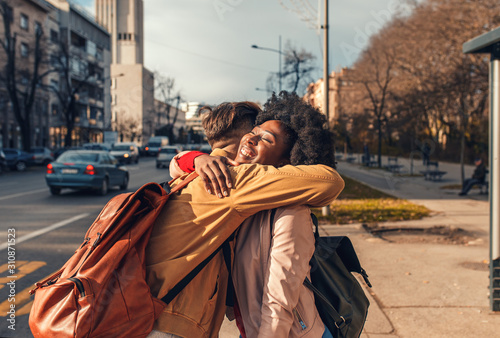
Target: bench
432 173
371 162
350 158
484 186
392 165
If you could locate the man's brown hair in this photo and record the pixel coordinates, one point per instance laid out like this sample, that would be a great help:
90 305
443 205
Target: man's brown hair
229 120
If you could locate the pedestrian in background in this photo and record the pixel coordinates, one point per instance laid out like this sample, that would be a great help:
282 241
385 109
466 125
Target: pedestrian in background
478 177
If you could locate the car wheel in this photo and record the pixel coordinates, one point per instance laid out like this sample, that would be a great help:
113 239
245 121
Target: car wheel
55 191
20 166
137 160
125 183
104 187
158 166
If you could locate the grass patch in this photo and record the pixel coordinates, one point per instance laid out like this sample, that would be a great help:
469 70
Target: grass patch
359 203
451 186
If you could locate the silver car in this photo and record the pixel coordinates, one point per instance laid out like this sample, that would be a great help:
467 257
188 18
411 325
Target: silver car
125 152
165 155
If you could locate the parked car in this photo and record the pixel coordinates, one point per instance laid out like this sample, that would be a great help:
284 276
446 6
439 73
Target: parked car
3 162
165 155
154 144
86 169
126 152
41 155
97 146
17 159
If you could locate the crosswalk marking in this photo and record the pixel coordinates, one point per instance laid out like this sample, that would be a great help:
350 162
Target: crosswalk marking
22 270
23 299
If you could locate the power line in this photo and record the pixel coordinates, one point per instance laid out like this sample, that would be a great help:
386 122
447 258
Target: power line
225 62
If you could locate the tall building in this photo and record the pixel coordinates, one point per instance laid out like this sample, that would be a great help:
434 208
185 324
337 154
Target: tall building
132 86
87 45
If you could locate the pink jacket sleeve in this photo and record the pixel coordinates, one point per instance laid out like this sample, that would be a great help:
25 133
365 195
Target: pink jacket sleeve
292 247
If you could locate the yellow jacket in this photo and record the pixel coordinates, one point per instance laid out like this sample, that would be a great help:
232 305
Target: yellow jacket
193 224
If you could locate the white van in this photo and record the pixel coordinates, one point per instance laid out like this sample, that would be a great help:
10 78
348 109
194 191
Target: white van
154 145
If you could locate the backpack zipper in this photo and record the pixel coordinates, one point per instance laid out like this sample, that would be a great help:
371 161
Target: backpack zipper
90 251
299 318
79 285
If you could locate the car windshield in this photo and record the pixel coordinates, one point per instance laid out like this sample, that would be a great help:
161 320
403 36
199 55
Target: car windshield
154 144
169 151
122 147
71 157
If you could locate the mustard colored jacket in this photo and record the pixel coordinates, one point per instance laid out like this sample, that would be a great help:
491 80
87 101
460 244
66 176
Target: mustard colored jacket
193 224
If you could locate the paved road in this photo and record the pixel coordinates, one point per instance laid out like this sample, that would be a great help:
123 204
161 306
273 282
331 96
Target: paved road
47 230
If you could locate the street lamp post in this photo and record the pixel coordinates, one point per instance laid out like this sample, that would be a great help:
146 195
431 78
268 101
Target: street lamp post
279 57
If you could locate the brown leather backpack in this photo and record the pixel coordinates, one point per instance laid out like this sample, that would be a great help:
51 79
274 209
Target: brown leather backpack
101 290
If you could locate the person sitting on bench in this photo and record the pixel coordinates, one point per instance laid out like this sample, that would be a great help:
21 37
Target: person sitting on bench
478 177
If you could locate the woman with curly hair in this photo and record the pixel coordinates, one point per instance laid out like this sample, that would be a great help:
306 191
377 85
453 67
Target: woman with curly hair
273 248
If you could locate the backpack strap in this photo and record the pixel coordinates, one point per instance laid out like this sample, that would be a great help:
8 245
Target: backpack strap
339 320
189 277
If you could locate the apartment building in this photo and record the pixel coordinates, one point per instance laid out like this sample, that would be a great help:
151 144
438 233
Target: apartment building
87 77
341 86
27 19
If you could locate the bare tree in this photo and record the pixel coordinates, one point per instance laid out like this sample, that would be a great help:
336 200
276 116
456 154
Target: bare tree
168 96
22 79
129 128
71 87
298 65
374 73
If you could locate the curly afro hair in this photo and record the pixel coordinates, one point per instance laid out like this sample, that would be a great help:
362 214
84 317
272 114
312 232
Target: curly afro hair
310 141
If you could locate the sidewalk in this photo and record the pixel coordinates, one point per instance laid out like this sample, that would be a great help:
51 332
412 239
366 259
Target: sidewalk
427 288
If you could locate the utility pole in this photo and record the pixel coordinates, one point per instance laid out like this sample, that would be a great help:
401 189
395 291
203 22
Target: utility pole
326 80
280 74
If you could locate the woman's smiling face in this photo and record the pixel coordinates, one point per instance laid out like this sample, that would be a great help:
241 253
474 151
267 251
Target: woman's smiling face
265 144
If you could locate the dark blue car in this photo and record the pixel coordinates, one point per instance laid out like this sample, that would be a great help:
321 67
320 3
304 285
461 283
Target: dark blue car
17 159
86 169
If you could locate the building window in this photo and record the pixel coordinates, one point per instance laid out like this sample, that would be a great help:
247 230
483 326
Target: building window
54 36
24 50
91 48
98 54
24 23
119 36
78 41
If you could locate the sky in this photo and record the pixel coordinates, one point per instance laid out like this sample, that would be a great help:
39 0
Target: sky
206 44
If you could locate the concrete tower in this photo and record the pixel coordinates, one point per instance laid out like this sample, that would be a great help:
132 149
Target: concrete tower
132 85
124 20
